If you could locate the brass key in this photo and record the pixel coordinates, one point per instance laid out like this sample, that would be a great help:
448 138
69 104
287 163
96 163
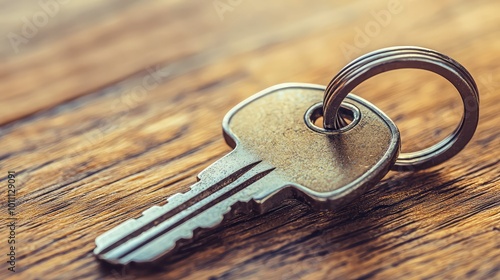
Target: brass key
279 153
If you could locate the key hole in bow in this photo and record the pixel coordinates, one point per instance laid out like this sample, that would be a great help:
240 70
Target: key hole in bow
348 118
314 117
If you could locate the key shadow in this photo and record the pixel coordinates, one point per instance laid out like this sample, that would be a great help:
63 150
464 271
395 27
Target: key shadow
295 228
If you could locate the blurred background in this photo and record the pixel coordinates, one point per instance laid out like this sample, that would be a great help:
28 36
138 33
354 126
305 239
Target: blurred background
55 51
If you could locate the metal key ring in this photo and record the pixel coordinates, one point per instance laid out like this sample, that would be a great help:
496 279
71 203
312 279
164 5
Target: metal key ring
393 58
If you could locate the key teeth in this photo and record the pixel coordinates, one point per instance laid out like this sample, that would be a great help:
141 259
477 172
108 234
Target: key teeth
175 197
229 213
122 246
116 233
182 239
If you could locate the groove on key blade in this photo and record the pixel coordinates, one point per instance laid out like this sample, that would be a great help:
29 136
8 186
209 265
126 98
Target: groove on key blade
177 216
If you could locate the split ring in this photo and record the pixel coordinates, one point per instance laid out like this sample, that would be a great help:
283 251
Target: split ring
393 58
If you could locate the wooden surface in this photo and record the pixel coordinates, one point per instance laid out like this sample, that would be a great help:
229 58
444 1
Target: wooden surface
109 107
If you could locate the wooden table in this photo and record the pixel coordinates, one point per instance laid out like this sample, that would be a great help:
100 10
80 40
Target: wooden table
109 107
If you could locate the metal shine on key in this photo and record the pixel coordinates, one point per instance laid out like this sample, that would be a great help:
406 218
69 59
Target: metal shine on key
276 156
279 153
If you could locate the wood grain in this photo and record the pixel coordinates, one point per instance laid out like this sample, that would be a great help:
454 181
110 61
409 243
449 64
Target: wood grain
111 107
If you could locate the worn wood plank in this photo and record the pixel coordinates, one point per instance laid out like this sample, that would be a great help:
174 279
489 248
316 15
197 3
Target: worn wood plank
114 106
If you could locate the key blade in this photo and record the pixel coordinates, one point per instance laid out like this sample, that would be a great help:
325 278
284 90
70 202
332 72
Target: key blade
157 232
223 171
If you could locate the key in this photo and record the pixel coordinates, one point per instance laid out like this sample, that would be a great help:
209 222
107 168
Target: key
278 154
